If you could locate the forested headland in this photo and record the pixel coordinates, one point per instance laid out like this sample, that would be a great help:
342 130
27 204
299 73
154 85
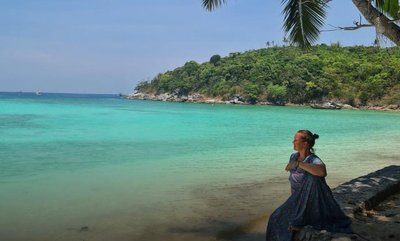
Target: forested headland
357 76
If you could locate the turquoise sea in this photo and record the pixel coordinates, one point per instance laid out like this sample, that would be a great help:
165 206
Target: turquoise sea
97 167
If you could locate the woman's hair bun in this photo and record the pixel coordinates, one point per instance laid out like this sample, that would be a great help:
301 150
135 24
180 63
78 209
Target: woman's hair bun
315 136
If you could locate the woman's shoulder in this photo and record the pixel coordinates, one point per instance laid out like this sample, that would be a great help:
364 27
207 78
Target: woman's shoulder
293 156
316 160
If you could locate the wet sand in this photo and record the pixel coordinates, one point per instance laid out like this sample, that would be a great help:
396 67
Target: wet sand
240 213
231 212
223 213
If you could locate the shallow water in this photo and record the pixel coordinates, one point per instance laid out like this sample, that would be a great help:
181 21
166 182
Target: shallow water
143 170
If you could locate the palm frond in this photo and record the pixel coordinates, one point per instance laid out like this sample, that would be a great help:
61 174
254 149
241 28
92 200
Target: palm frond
212 4
389 7
379 3
303 20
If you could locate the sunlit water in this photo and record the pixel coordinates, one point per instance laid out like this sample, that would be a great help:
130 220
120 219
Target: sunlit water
96 167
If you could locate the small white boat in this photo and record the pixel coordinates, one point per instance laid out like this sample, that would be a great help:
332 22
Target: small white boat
38 93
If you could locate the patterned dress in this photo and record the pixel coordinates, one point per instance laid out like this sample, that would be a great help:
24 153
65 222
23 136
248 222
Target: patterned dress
311 204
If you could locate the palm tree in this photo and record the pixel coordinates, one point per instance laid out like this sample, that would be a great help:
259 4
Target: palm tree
303 19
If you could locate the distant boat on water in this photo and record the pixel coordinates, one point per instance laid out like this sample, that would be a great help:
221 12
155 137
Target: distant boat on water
38 93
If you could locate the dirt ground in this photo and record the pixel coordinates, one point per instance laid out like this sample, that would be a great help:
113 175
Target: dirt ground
380 223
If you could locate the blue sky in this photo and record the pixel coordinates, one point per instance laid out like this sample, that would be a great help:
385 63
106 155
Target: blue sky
108 46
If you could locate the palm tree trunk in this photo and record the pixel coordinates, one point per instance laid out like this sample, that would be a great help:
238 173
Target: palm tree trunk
383 24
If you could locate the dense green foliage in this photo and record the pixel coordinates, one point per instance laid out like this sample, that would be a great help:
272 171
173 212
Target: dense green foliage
353 75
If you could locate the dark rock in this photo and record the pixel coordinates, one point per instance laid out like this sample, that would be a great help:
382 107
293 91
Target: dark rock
327 105
84 229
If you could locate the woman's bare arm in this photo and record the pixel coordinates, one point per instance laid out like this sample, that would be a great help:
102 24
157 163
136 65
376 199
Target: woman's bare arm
314 169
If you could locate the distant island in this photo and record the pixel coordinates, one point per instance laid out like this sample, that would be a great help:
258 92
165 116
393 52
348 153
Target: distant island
359 76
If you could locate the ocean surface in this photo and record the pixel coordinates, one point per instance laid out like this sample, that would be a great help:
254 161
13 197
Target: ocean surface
97 167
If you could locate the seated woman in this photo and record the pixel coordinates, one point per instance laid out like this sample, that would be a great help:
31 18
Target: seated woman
311 202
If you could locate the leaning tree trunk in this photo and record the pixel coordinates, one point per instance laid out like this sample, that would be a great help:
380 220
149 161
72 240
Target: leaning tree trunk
383 24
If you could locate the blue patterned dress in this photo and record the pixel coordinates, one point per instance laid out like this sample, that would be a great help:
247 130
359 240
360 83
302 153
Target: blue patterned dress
311 204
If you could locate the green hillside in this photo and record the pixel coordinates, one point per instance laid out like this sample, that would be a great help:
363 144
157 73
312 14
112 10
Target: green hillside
353 75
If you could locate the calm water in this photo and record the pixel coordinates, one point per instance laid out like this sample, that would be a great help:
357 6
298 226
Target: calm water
143 170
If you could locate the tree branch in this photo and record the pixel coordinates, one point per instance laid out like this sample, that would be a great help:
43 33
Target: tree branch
357 25
350 28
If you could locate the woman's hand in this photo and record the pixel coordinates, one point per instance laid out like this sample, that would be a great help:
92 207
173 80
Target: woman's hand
314 169
291 165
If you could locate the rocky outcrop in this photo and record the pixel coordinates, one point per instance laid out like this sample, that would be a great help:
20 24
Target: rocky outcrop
176 96
179 96
392 107
367 191
327 105
355 196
